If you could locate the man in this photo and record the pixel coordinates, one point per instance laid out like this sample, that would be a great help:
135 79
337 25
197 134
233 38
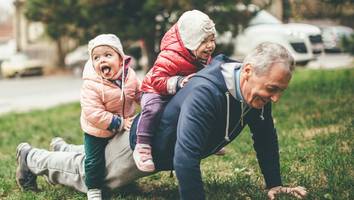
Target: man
211 111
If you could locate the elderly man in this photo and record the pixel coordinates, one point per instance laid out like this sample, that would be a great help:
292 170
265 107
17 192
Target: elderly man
211 111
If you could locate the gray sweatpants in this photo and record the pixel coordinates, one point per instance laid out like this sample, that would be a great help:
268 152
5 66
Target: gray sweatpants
67 168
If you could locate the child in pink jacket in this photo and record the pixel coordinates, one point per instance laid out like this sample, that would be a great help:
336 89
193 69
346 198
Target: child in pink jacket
185 49
108 95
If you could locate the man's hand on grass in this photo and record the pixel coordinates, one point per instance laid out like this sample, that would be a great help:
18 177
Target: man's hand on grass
298 192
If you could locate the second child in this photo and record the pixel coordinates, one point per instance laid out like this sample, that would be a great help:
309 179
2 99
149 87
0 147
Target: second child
185 49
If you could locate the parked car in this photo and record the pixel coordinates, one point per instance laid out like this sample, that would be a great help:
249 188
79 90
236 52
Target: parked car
76 59
20 64
304 41
333 35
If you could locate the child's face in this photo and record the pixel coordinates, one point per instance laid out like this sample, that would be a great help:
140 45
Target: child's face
206 48
106 61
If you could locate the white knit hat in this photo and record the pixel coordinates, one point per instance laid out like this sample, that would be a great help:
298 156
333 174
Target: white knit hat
112 41
108 40
194 26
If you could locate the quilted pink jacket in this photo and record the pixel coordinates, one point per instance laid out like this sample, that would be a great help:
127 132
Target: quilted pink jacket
101 99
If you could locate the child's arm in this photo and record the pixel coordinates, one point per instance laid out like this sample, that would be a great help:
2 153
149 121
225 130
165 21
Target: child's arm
92 106
183 81
119 123
166 72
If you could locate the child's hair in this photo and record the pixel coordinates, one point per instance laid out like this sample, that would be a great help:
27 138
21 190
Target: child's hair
194 27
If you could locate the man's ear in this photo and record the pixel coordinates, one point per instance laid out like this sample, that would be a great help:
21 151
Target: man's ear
247 71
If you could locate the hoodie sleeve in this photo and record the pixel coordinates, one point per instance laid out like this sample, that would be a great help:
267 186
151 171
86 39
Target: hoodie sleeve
198 113
93 108
266 146
163 70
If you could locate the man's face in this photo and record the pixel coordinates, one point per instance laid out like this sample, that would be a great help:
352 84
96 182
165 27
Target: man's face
106 61
258 90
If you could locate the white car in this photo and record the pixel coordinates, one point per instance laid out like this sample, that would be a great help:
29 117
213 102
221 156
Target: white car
302 40
333 35
76 59
20 64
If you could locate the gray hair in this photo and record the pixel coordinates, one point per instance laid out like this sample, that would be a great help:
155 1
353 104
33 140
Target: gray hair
266 54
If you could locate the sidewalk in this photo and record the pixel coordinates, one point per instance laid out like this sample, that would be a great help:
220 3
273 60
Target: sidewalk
38 92
24 94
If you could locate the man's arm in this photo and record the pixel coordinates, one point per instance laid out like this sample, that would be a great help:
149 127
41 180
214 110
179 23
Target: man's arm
266 145
198 113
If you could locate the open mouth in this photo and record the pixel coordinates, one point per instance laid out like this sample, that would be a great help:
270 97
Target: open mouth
207 52
105 69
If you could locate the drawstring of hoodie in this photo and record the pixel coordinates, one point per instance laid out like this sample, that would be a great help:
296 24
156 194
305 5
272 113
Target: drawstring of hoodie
123 80
261 116
227 116
241 121
242 110
122 90
102 88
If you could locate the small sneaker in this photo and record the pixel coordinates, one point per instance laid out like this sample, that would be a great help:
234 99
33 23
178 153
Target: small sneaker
94 194
25 179
56 144
221 152
143 159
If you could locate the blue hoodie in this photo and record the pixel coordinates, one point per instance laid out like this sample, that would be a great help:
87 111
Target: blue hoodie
201 119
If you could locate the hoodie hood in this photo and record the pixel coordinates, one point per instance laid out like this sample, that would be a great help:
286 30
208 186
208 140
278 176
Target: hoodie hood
194 27
172 41
215 75
230 72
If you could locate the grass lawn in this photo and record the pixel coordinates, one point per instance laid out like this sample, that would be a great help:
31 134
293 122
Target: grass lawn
315 123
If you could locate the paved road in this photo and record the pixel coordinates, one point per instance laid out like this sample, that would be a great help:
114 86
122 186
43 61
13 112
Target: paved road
38 92
28 93
42 92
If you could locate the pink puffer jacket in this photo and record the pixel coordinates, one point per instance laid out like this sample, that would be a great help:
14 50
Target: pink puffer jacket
101 99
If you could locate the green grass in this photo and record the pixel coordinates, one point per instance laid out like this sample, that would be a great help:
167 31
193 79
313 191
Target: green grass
315 126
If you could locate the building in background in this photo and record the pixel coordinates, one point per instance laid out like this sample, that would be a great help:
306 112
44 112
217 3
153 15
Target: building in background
30 37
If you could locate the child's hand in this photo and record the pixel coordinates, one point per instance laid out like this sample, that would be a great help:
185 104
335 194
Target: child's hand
128 123
185 80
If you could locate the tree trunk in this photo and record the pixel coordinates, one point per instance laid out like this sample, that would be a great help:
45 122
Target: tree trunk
149 45
60 52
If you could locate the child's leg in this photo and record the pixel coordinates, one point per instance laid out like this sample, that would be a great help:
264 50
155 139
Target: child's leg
95 168
152 107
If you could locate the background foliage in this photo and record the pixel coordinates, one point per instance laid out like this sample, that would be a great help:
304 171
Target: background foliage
131 20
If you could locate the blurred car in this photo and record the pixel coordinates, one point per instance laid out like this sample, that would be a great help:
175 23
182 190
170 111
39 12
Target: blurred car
76 59
20 64
304 41
332 37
